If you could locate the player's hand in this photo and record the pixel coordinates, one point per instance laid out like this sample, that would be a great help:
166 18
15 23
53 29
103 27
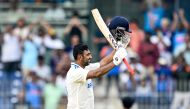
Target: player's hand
119 55
125 41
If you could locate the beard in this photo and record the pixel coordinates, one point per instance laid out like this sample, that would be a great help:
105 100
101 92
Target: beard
86 63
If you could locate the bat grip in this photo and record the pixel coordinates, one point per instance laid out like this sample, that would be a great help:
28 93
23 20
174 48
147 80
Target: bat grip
128 66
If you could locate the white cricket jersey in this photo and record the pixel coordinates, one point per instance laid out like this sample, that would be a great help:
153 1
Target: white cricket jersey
80 91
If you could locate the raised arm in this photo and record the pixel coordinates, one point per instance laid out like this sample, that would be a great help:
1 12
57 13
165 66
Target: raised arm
100 71
174 22
107 59
107 66
183 19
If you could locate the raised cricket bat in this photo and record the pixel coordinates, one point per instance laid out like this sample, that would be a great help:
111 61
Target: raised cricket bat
104 29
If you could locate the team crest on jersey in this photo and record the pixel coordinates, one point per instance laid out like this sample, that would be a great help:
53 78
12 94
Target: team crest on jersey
75 66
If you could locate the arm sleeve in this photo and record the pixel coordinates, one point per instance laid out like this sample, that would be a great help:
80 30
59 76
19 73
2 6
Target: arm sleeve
92 66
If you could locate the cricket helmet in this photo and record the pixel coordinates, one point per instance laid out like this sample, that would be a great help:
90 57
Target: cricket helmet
119 22
119 27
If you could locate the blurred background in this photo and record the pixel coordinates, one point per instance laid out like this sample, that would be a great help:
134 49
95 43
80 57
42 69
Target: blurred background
37 38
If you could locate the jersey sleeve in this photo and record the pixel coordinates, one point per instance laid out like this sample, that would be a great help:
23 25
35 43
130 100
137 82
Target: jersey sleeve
80 75
92 66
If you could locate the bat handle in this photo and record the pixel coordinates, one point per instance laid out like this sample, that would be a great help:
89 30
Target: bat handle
128 66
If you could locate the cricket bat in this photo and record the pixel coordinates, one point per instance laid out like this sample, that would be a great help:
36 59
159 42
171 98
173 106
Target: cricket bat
107 34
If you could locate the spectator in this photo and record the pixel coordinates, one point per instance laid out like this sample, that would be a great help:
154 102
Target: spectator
75 27
186 53
184 49
42 70
74 41
62 68
52 43
164 76
127 81
153 17
144 89
30 55
149 54
55 59
21 30
164 85
166 27
137 35
55 13
182 76
164 34
11 51
163 43
64 64
137 66
39 40
52 94
33 91
179 28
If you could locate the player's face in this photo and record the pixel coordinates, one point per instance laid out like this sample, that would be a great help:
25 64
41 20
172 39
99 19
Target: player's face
87 56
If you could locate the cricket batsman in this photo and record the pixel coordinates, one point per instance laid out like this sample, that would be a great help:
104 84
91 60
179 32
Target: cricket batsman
78 80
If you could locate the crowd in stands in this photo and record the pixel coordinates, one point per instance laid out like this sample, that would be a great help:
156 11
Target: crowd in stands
160 55
34 62
35 59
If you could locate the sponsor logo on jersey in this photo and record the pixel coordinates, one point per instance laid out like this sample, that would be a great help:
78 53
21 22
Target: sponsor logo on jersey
89 84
